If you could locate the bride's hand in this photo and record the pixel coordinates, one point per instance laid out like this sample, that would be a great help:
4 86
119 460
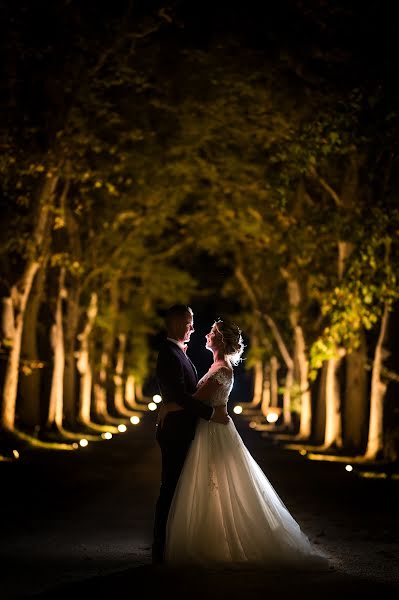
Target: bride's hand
165 409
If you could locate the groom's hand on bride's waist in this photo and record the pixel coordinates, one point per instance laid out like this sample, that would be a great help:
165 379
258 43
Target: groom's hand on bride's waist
220 415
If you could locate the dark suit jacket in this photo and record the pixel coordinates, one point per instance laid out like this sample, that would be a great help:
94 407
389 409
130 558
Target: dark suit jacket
177 380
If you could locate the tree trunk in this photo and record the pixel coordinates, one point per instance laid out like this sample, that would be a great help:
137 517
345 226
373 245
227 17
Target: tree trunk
140 395
305 428
333 429
274 381
266 396
55 411
7 319
356 400
118 378
375 442
29 407
287 412
70 373
319 425
19 300
258 385
83 363
300 356
100 389
72 320
19 294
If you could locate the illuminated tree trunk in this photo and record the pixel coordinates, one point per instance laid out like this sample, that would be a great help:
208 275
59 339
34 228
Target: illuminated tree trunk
356 401
287 412
100 388
7 319
306 400
19 295
258 384
30 384
118 378
83 363
19 300
55 411
140 395
103 396
72 315
130 393
375 443
70 334
333 428
300 356
266 392
273 381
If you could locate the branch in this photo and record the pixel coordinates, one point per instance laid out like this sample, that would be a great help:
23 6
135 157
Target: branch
326 186
269 321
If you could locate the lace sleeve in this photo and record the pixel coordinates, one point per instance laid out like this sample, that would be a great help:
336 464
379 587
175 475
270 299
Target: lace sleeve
223 376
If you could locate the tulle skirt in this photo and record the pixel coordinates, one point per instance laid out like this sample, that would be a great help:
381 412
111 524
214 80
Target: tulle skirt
226 512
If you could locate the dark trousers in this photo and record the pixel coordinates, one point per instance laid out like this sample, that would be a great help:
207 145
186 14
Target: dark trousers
173 455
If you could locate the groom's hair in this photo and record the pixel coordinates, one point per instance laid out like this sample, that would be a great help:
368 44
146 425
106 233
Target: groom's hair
177 312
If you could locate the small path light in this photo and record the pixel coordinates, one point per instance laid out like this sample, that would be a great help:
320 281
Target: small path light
134 420
237 409
157 398
83 443
152 406
272 416
122 428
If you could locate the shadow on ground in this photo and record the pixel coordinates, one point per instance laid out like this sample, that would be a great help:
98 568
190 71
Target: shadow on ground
216 584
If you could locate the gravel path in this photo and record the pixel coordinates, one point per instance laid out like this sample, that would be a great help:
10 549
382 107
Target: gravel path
79 524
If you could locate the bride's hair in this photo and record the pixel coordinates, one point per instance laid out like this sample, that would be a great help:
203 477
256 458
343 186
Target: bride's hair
232 340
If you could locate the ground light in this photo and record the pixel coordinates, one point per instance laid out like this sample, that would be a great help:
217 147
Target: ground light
83 443
152 406
237 409
122 428
272 417
107 435
349 468
157 398
134 420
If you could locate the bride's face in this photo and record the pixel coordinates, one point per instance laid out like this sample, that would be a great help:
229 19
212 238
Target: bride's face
214 339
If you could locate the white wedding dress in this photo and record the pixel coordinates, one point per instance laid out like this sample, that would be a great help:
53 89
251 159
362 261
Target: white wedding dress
224 510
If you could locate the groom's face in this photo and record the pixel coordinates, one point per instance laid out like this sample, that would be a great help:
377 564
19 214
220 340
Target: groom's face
185 328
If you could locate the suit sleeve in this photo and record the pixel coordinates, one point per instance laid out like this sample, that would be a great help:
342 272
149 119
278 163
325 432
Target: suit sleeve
170 372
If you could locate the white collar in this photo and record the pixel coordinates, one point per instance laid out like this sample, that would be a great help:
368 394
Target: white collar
180 344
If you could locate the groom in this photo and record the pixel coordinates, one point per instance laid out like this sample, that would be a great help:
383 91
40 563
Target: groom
177 379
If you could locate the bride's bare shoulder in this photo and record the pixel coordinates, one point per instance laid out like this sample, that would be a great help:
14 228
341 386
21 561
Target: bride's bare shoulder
222 365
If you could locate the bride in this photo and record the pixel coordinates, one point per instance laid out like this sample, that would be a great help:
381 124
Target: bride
224 510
